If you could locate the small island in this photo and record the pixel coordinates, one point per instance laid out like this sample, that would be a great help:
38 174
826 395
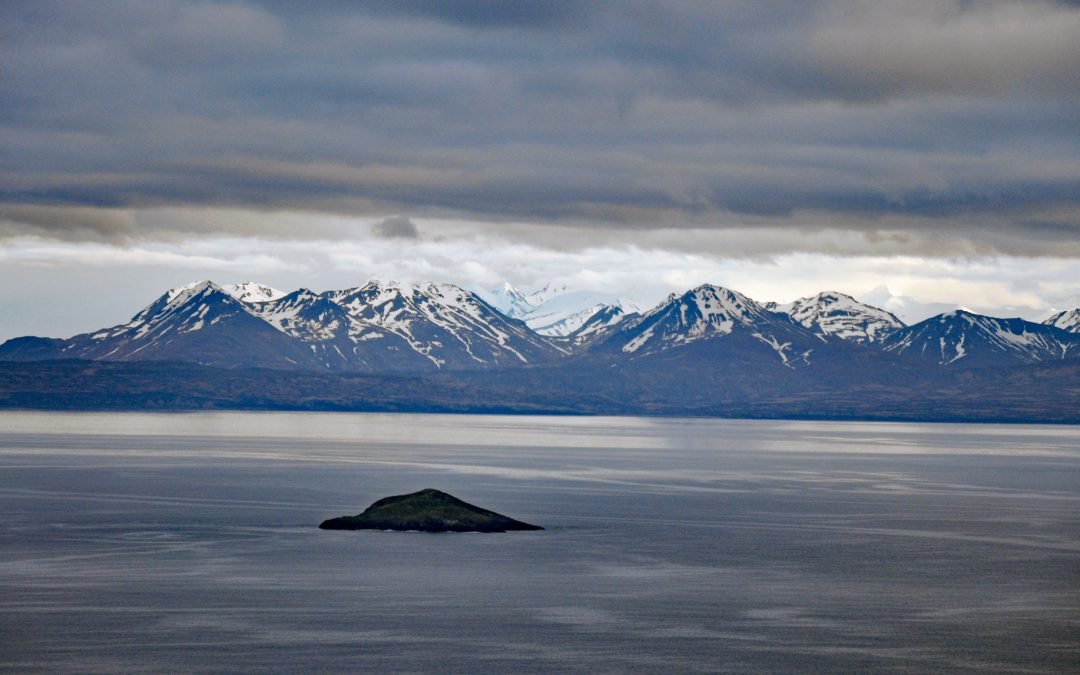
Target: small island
427 511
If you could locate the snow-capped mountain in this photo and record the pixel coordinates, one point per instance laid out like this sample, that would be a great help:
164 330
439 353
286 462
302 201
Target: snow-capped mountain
508 300
600 323
249 291
711 313
331 334
835 314
1068 320
386 327
561 324
443 323
546 293
198 322
554 310
305 315
562 315
960 338
378 327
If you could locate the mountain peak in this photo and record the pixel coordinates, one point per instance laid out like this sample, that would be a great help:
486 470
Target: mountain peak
182 298
189 290
545 293
969 339
250 291
409 288
444 324
717 301
384 284
197 322
705 312
600 322
961 314
509 300
833 297
1068 320
831 313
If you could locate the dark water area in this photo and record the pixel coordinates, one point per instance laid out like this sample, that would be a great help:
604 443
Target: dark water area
188 542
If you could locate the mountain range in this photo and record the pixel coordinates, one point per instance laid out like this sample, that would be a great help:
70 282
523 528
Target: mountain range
709 350
377 327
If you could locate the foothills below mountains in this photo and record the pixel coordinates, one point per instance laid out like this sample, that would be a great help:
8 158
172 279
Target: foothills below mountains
708 351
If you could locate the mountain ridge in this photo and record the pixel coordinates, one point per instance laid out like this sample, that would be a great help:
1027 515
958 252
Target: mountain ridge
964 339
390 327
1068 320
555 311
705 313
835 314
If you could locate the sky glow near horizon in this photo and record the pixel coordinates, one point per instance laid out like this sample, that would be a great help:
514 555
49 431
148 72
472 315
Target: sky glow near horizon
928 150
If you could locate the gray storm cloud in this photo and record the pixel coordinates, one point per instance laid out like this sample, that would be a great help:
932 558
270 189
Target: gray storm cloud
395 227
77 223
916 122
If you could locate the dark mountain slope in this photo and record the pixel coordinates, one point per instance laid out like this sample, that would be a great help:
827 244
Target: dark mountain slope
961 339
200 323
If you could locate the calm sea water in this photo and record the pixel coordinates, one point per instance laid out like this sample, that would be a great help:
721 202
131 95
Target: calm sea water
188 542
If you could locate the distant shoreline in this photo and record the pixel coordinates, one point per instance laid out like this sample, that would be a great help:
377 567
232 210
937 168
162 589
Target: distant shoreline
1042 395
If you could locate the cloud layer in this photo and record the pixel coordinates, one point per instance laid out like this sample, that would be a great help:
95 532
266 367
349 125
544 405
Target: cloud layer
632 146
916 122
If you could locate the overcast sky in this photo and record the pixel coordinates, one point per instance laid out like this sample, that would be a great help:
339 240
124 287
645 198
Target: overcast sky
930 150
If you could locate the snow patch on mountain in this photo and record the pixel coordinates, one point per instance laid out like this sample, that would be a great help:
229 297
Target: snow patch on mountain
508 300
304 315
706 312
249 291
778 347
553 310
176 292
962 337
547 293
839 315
173 311
1068 320
441 322
564 314
559 324
602 322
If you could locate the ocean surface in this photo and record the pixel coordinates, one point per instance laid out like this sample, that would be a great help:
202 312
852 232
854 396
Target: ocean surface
189 542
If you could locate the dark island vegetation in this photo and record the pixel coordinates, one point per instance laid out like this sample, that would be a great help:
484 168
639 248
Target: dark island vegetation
427 511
